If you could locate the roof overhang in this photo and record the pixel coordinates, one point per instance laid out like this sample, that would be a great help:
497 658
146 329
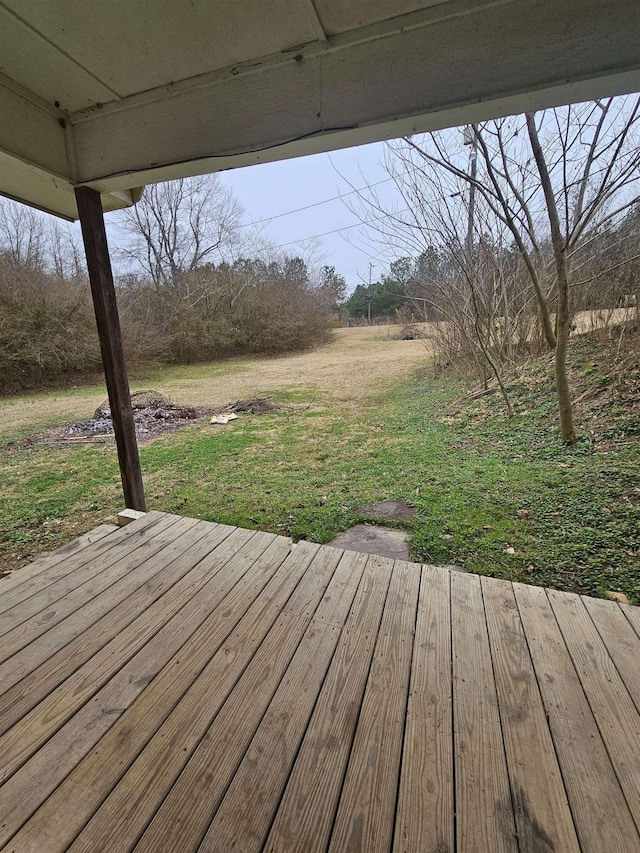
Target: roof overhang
102 99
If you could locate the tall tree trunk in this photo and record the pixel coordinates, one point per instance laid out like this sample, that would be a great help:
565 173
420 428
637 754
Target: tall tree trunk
562 272
543 305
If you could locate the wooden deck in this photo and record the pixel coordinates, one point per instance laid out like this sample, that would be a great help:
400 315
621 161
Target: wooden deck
178 685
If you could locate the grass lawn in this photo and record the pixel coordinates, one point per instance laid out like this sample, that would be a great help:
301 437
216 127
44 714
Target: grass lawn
497 496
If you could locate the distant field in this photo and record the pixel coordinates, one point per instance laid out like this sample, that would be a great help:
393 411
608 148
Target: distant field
358 364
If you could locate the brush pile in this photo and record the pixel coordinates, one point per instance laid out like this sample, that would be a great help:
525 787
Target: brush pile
153 414
252 406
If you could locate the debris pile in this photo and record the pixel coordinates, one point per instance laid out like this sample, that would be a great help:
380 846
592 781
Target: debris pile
153 413
252 406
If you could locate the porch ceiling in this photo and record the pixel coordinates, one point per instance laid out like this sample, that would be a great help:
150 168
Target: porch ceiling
115 95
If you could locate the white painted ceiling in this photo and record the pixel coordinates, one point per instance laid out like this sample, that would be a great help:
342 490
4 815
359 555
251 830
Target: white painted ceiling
115 94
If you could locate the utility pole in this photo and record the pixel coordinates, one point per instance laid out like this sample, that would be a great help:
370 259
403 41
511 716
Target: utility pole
471 139
369 297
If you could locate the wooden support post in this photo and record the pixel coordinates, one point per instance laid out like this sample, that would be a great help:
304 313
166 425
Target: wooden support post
115 369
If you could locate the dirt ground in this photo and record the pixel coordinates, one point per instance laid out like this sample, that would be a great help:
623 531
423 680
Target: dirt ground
356 365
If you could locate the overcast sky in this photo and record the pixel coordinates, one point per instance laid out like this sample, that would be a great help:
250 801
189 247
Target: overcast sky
271 189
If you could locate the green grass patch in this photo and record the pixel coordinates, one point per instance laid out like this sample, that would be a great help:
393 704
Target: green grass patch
496 496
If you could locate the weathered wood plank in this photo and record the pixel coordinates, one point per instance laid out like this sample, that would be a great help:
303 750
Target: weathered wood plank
632 614
221 702
305 815
37 566
600 813
47 717
194 634
193 576
110 335
53 656
33 643
612 706
543 818
45 676
621 641
56 568
425 798
366 812
211 726
245 814
32 617
484 809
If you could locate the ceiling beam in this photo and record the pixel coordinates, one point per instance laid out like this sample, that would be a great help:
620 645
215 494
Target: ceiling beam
461 62
35 131
36 155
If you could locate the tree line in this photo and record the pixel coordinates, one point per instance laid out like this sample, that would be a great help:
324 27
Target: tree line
190 289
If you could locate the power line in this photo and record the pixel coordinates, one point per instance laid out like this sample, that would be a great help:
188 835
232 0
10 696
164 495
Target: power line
315 204
344 228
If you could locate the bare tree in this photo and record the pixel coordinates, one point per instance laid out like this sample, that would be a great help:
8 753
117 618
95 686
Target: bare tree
553 182
178 227
23 235
560 252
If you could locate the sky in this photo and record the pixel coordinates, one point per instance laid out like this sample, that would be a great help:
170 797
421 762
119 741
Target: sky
323 184
268 190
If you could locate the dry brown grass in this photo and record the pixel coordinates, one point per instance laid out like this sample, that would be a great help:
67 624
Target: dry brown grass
356 366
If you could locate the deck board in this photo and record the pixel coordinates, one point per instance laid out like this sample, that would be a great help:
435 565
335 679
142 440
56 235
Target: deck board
484 807
542 814
52 568
33 617
95 777
28 574
244 816
365 817
600 812
612 706
306 812
426 782
622 642
201 687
